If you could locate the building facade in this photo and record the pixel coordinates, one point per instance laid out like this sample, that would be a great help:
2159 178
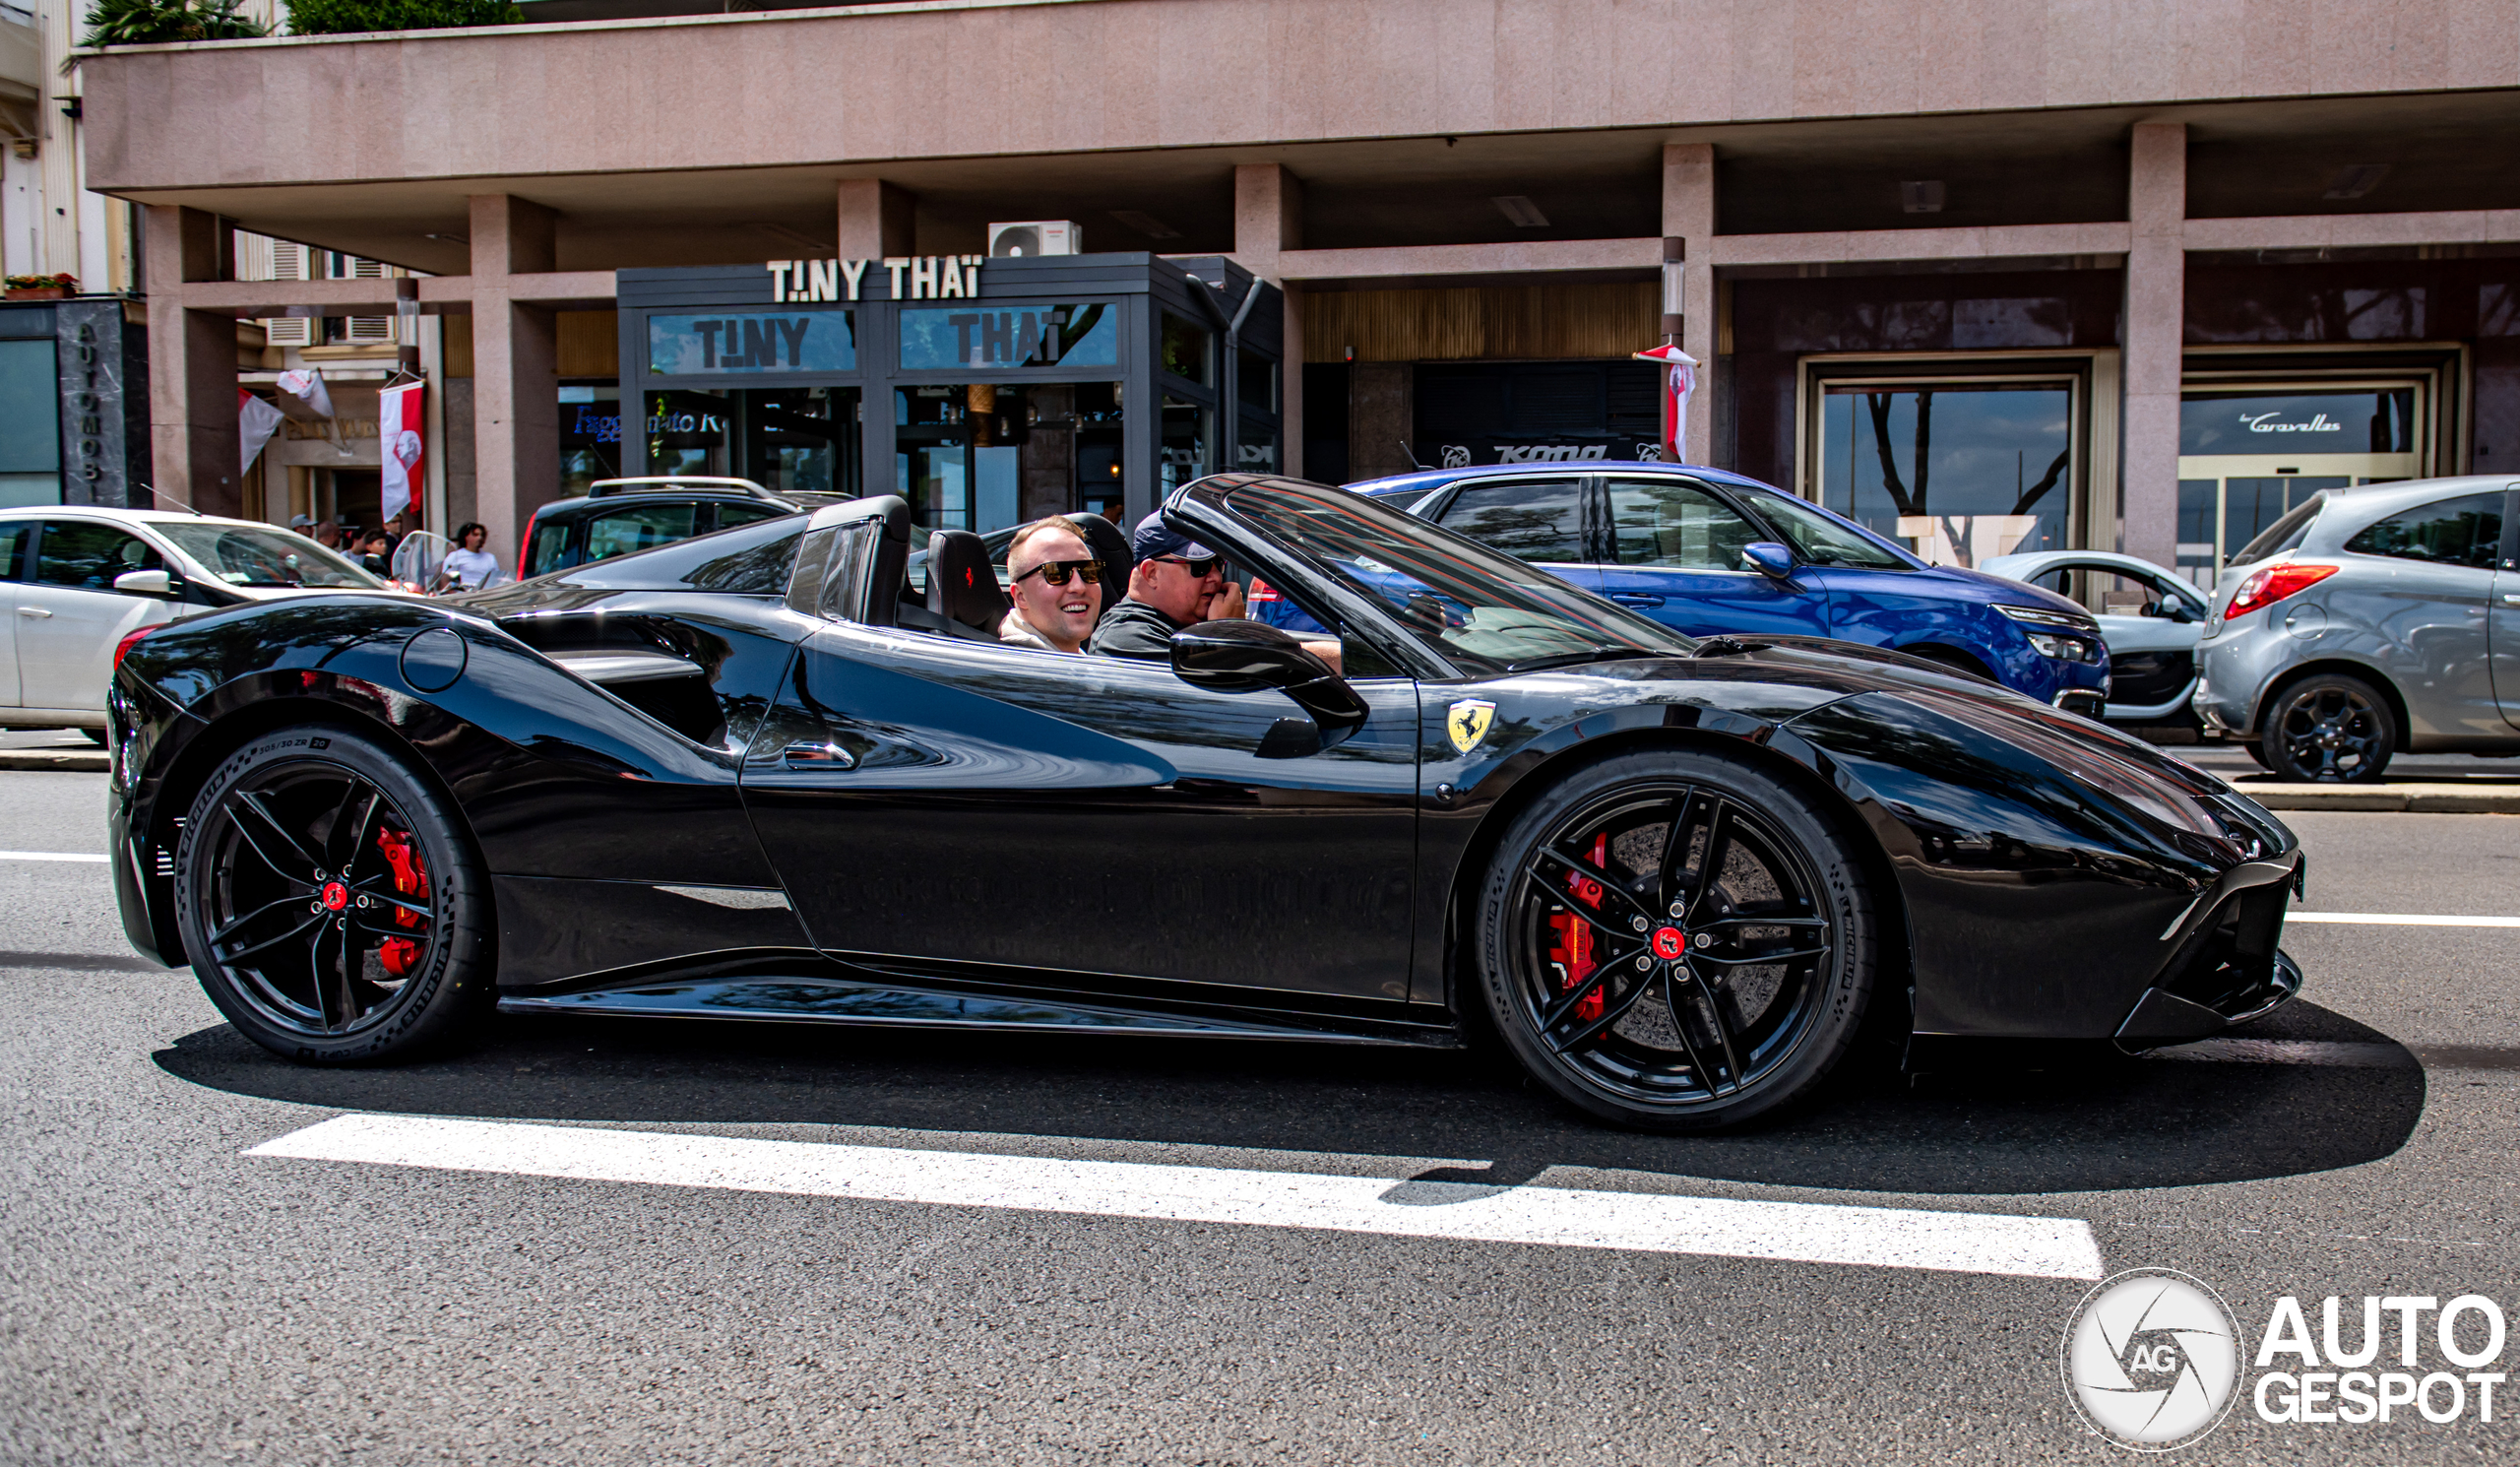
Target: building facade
1990 276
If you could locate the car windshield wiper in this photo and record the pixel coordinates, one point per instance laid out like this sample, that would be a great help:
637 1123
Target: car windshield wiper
1601 653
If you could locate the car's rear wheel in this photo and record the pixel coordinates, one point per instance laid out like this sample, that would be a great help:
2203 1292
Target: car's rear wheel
2329 729
1675 941
329 901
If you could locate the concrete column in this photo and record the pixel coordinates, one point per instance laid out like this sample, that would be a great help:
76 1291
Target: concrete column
516 386
1268 219
1688 212
195 455
876 219
2154 317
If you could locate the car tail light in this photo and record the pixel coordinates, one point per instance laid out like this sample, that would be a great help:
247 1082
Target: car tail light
2267 587
128 639
525 544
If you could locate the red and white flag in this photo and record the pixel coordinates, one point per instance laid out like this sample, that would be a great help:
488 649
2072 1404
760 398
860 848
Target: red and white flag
1676 388
398 434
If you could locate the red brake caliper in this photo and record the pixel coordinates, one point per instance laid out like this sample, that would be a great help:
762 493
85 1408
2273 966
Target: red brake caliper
1574 950
411 880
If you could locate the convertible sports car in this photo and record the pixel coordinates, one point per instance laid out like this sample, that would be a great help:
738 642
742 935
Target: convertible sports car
745 776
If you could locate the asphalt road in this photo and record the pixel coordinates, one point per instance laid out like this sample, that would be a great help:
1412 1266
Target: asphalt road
170 1300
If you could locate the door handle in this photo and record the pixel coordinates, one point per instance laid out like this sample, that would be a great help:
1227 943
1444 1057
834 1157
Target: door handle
38 612
824 755
1635 599
2509 600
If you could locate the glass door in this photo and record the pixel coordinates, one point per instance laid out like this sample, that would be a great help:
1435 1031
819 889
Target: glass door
2247 454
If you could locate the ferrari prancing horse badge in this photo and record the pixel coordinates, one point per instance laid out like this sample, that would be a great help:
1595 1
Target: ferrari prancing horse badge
1469 720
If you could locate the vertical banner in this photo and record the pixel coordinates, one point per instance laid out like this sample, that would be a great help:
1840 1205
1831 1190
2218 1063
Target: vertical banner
397 434
1676 389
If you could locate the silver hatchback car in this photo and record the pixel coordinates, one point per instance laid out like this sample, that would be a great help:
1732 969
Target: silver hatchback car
2368 622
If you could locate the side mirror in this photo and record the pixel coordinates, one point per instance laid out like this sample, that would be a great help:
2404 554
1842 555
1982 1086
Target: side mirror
2178 610
1769 559
145 582
1247 657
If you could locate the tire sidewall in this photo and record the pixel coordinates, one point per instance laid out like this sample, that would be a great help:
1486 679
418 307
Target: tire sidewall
2271 732
454 981
1846 981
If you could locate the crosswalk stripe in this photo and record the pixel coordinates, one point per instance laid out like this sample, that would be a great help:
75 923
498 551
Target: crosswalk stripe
1717 1227
2403 920
52 856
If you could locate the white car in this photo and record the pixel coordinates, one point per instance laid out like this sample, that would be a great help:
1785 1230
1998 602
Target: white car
75 579
2149 617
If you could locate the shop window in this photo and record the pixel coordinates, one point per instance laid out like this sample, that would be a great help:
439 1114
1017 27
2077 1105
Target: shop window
983 456
959 338
1256 382
791 440
30 423
714 341
2370 420
1188 435
1186 349
1964 471
590 436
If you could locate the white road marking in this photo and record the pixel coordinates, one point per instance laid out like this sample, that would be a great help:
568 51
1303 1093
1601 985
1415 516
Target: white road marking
2403 919
2330 1053
1717 1227
52 856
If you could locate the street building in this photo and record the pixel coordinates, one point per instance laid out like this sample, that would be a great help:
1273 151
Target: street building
1992 279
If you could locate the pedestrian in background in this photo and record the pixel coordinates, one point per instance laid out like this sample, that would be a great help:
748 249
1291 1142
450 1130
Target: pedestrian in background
327 534
470 564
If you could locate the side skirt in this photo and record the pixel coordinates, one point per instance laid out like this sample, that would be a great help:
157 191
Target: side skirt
805 989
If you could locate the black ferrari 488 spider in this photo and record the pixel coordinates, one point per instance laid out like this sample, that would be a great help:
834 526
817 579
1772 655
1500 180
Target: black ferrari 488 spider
755 775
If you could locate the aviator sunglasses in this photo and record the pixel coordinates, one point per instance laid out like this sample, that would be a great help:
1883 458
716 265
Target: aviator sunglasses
1056 572
1197 568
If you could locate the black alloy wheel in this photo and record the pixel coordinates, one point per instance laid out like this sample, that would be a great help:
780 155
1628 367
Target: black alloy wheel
330 903
1675 941
2331 728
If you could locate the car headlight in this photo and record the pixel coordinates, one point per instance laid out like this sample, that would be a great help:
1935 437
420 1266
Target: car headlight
2079 622
2064 649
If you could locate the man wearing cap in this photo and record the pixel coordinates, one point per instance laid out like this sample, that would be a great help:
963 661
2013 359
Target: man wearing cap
1177 583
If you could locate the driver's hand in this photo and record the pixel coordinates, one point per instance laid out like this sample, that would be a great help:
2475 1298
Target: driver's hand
1229 603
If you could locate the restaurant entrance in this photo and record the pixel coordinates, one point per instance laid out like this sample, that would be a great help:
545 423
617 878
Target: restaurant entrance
2248 452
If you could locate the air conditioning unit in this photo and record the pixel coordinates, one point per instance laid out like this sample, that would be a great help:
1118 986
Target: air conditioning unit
1035 236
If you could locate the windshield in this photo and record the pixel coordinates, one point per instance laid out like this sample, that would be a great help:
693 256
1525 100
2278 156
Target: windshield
1825 540
1480 609
249 556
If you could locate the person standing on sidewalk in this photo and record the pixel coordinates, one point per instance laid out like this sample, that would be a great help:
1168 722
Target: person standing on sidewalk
470 566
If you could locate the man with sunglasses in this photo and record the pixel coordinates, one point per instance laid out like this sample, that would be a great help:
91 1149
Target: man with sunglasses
1177 583
1057 586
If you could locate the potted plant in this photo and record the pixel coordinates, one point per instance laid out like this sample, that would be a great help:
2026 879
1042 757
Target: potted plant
41 286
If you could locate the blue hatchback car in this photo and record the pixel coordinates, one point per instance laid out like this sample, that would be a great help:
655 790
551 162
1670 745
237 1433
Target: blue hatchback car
1707 551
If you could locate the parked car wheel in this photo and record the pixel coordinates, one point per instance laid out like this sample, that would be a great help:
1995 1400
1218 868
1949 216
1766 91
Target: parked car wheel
330 902
2329 729
1675 941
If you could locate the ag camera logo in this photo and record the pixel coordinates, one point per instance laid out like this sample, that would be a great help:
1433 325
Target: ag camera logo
2152 1359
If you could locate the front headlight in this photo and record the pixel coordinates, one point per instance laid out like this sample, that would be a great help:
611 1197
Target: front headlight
2079 622
2064 649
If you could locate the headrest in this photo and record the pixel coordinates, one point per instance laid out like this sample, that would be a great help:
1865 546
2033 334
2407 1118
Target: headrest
961 584
1111 547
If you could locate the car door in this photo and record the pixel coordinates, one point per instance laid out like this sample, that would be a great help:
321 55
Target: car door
1542 519
2151 651
69 615
1675 555
1083 822
2503 619
2426 585
15 536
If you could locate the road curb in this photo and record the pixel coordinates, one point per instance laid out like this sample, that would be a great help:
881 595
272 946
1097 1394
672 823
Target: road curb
80 761
2421 799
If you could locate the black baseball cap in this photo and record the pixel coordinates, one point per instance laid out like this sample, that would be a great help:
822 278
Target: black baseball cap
1154 539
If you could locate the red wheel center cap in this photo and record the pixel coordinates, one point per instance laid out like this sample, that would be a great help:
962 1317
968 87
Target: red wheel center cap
337 895
1670 942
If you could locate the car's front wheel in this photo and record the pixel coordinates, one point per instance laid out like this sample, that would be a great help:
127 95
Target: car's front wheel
329 901
2329 729
1677 941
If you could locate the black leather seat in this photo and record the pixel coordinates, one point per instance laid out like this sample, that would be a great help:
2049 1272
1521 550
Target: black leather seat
1111 545
961 584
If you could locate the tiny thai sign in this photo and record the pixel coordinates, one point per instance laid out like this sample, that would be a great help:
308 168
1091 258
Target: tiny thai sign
910 277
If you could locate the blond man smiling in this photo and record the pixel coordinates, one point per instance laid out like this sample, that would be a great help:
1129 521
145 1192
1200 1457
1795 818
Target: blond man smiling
1057 586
